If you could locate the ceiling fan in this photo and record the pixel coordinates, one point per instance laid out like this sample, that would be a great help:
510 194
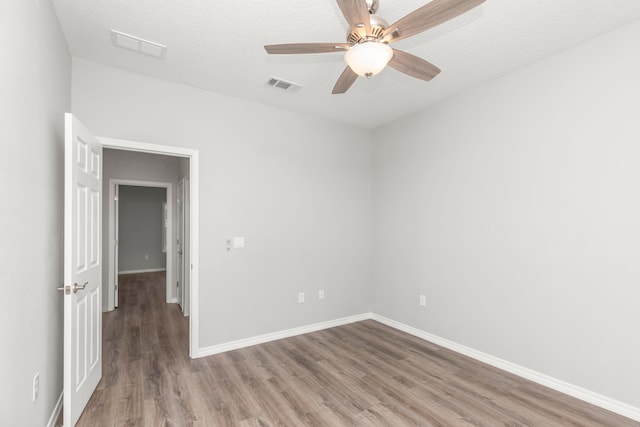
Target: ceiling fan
367 49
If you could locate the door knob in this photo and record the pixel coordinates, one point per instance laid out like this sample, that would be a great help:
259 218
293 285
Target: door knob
77 287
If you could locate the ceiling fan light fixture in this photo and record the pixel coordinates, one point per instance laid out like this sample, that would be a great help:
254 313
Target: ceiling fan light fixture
367 50
368 58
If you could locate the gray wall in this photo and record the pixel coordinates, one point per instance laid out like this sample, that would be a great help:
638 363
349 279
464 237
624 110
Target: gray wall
515 208
35 78
296 187
130 165
140 228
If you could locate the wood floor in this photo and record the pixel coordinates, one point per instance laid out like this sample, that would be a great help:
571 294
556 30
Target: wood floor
363 374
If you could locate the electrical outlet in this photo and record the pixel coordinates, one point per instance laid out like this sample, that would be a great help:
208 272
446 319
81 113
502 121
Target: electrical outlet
321 294
300 297
36 386
423 300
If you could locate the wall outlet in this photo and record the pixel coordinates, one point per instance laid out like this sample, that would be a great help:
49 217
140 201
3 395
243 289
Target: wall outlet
321 294
300 297
36 386
423 300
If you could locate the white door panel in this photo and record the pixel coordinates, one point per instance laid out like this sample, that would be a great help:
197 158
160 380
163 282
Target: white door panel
116 248
82 268
180 246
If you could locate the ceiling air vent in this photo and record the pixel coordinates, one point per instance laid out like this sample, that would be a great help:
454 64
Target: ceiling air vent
137 44
283 84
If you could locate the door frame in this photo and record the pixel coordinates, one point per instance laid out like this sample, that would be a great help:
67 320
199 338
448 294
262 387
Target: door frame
114 215
194 192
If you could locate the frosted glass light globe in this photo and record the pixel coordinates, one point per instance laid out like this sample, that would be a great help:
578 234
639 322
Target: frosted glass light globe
368 58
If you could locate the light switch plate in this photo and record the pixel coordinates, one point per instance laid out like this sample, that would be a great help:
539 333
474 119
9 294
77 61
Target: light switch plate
238 242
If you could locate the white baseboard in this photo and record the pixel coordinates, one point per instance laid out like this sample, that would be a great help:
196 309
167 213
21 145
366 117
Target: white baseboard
537 377
56 412
149 270
247 342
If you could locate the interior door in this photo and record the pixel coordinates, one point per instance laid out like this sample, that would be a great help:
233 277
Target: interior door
186 249
82 268
180 248
116 253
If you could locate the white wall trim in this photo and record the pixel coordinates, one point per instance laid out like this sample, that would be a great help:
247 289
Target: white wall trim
148 270
537 377
194 216
56 412
261 339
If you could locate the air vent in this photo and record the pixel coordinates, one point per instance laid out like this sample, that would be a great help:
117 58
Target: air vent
137 44
283 84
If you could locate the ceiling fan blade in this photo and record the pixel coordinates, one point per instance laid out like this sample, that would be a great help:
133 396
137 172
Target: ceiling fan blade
413 65
296 48
346 79
356 13
428 16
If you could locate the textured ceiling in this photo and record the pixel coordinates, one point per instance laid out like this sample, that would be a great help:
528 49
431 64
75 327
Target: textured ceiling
218 45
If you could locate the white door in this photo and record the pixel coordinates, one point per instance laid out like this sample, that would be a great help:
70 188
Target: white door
186 263
82 268
180 248
116 253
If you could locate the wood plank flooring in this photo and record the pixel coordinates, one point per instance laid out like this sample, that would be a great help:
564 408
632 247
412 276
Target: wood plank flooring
363 374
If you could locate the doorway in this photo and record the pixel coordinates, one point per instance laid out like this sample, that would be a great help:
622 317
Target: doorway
190 158
84 241
140 234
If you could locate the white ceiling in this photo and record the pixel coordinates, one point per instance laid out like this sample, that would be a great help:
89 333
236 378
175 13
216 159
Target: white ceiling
218 45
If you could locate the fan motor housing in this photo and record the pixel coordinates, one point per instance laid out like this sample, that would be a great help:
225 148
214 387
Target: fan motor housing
378 25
